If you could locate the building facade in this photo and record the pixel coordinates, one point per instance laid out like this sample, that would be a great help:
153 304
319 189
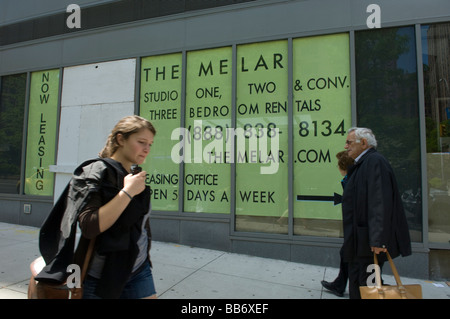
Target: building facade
251 101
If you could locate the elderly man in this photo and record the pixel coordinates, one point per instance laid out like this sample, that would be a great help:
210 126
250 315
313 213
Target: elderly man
373 216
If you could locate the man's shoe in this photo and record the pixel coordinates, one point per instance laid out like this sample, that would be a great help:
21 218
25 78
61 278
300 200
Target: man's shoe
329 286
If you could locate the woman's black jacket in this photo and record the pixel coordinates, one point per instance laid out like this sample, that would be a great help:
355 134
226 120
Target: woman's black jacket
119 243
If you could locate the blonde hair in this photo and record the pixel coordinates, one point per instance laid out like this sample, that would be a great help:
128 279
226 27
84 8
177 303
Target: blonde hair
126 126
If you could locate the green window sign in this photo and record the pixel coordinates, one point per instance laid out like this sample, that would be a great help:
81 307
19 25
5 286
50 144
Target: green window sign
206 143
261 135
322 115
160 101
208 123
41 133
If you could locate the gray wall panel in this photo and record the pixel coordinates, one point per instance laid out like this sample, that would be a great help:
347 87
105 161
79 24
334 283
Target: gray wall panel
213 235
401 12
165 230
254 21
11 12
12 211
39 212
267 22
9 211
127 42
39 56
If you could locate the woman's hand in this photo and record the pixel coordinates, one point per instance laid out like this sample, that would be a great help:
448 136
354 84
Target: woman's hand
134 184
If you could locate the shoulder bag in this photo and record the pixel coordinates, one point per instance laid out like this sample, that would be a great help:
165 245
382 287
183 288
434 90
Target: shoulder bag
44 290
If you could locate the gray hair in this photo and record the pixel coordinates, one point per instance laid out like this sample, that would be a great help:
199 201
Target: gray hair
363 132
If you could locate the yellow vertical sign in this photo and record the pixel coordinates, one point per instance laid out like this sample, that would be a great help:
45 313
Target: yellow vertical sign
208 116
160 103
262 114
322 115
41 133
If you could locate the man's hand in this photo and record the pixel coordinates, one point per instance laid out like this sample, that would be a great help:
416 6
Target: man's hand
378 250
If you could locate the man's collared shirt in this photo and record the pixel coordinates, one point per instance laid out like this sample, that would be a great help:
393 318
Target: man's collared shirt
360 155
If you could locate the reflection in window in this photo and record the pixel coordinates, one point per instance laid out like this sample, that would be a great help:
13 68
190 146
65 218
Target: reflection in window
386 89
12 102
436 61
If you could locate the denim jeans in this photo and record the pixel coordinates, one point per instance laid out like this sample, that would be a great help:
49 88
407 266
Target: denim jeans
139 285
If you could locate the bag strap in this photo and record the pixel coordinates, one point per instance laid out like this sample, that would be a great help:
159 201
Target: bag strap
90 249
393 268
87 259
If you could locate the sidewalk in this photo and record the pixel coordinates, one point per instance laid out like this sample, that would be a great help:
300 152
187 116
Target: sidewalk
182 272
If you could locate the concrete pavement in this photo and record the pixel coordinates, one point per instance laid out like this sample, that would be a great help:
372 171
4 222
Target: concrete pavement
182 272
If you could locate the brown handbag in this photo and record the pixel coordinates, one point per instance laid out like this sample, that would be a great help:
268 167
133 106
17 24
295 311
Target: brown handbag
42 290
399 291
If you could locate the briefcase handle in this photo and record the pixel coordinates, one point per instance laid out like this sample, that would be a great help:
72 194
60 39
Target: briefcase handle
378 273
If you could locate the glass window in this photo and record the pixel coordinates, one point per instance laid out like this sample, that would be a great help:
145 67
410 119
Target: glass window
207 180
160 103
387 102
12 103
322 115
436 62
262 137
41 132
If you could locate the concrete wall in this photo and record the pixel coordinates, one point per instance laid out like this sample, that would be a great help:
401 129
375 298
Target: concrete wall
253 21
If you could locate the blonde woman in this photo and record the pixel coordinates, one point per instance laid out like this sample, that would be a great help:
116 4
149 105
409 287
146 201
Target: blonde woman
111 204
116 215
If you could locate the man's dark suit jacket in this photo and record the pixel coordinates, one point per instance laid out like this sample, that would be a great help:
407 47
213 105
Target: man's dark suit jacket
373 214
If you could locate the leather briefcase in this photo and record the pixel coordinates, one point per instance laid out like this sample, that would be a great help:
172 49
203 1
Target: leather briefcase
399 291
